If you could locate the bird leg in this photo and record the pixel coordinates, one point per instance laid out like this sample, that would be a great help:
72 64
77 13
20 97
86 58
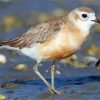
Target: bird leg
52 73
52 78
50 86
35 68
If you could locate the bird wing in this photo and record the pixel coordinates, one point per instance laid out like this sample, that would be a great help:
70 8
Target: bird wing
38 34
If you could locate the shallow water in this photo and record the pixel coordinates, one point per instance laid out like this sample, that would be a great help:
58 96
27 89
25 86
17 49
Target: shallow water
77 84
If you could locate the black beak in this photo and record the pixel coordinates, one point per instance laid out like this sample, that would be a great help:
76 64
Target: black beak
97 20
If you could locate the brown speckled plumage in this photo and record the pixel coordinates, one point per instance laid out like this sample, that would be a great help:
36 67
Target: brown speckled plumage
37 34
86 9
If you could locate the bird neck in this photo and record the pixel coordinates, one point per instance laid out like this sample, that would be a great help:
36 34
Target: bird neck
77 32
83 30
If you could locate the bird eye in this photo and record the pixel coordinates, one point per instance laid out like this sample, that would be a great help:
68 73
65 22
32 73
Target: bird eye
84 15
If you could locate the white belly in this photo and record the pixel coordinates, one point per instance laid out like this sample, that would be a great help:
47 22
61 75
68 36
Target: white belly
31 52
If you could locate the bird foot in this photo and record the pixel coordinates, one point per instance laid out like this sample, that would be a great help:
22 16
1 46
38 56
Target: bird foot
54 91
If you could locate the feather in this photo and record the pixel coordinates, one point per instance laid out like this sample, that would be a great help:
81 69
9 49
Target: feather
37 34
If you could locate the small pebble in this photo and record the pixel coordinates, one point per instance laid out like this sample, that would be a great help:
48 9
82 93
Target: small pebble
3 59
72 58
46 71
8 86
2 97
21 67
90 59
58 72
92 50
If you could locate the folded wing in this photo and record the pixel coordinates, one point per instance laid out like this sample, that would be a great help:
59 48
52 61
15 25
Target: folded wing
37 34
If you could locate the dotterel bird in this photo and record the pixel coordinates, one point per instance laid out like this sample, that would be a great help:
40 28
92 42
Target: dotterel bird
53 40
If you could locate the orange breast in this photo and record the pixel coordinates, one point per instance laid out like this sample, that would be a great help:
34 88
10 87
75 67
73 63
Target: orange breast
63 45
54 51
60 53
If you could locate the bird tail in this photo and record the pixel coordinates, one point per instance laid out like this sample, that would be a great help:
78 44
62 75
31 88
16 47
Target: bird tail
2 43
8 45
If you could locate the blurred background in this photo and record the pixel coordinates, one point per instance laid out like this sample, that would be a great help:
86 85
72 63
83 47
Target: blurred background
16 16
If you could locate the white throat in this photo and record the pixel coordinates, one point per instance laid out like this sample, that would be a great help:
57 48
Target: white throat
84 27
